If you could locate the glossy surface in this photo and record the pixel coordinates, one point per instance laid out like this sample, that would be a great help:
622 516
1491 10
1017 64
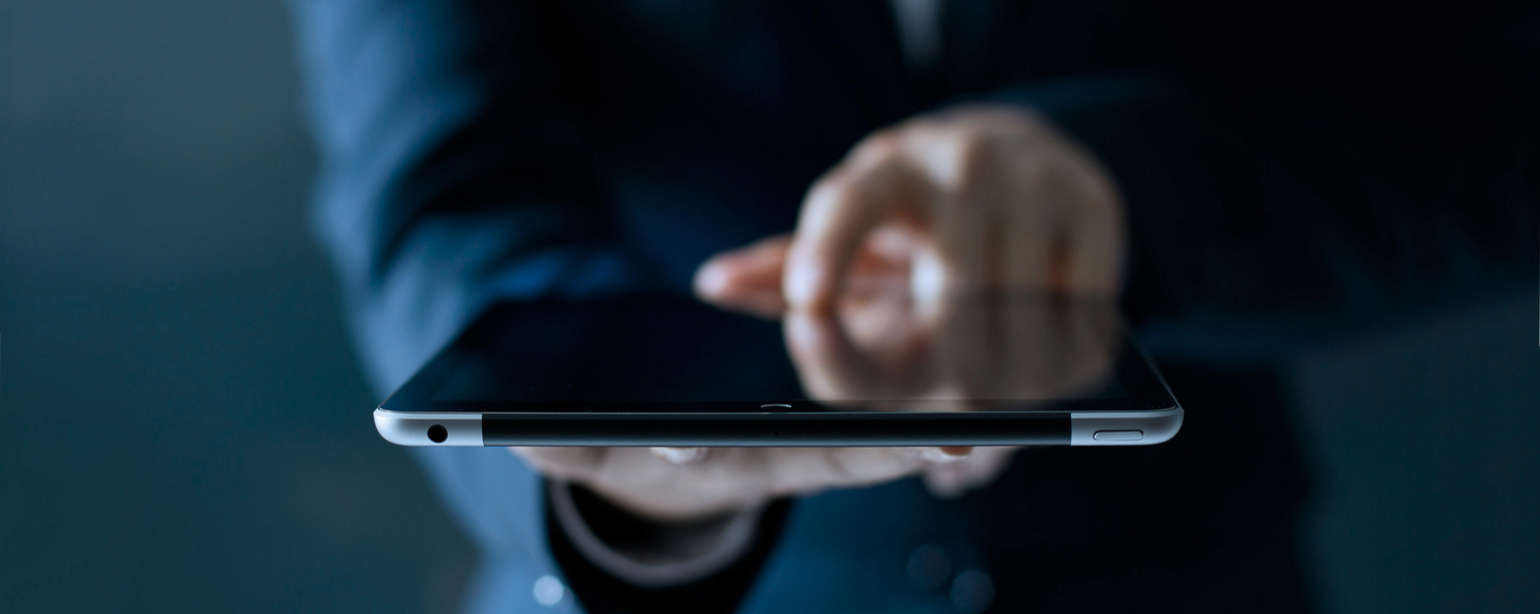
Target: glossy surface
665 354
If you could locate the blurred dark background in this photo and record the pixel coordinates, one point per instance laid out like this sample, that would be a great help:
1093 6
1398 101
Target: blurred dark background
183 426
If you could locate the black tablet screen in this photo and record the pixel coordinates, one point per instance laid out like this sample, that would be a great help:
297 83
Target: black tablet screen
673 354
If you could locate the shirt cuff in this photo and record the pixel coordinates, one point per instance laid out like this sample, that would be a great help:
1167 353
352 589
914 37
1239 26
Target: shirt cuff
645 553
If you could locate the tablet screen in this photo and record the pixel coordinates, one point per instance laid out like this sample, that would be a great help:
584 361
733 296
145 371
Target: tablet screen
673 354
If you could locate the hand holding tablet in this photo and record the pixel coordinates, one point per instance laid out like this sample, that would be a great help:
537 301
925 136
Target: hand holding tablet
874 348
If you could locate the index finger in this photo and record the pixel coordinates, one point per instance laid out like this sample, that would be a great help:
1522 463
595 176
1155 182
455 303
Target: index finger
839 212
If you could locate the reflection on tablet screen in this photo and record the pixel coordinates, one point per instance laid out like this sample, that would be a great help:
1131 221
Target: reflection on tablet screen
972 353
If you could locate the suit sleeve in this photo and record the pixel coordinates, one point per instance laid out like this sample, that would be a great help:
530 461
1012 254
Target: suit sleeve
460 166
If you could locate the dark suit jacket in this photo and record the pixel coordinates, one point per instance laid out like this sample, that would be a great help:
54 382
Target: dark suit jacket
1287 168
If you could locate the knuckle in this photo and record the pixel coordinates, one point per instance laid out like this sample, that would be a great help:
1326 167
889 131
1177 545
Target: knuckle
874 149
828 189
885 141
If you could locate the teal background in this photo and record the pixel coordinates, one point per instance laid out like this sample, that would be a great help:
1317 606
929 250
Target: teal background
183 426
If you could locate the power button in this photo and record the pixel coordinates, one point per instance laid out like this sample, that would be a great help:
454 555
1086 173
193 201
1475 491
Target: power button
1118 435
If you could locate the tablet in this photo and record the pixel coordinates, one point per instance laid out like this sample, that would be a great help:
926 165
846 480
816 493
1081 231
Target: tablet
670 371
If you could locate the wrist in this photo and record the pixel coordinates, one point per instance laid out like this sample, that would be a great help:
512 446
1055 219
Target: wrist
648 552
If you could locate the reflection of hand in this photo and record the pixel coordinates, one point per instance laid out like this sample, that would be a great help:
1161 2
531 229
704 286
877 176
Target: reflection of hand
969 352
680 484
968 199
975 350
